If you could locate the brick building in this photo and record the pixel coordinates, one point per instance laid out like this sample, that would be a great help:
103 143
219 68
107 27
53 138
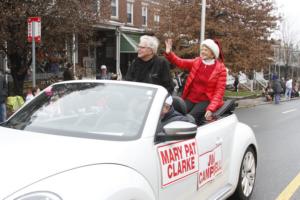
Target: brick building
116 38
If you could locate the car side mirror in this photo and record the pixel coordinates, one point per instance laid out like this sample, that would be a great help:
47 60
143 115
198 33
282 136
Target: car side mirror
177 130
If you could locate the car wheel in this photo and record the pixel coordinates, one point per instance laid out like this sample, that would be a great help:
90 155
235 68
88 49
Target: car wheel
247 176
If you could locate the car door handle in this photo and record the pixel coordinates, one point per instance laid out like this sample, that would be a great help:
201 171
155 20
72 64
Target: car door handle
219 141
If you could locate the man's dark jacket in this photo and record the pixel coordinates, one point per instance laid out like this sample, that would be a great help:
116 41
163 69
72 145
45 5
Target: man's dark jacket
68 74
277 86
155 71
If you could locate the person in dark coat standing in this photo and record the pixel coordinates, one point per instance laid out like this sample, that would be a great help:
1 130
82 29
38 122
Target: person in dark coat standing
3 95
148 67
236 83
68 74
276 88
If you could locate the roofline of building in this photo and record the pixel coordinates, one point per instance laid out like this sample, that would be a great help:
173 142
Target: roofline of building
113 25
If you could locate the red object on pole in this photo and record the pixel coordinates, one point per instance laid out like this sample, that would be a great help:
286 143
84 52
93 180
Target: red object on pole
36 22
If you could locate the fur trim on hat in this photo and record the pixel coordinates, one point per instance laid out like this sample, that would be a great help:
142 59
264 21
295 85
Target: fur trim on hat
212 46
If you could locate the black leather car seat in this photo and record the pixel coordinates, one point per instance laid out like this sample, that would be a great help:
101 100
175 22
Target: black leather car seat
227 109
180 106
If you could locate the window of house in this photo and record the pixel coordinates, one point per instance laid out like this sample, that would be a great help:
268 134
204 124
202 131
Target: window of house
52 3
115 8
156 18
96 6
130 12
145 15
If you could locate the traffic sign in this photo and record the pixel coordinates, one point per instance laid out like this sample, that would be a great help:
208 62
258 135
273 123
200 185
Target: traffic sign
36 22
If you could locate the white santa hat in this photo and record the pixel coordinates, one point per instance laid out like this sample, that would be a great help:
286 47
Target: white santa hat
212 46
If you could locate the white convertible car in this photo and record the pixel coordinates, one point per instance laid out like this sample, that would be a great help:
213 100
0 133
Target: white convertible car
98 140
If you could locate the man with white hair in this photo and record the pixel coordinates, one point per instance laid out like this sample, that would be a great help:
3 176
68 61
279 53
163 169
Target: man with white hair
148 67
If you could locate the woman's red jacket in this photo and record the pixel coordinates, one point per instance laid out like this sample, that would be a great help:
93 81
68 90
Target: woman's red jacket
216 84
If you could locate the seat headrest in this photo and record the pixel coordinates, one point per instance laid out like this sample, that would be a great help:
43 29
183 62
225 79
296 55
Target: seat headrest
179 105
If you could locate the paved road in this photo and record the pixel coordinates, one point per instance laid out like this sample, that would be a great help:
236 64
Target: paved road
277 130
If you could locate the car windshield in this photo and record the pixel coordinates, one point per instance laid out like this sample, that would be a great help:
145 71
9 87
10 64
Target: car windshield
90 110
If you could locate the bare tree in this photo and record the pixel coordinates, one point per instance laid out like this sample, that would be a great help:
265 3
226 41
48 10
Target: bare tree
60 19
242 27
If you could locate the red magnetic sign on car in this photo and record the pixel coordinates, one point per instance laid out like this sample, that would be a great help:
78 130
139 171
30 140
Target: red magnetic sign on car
178 160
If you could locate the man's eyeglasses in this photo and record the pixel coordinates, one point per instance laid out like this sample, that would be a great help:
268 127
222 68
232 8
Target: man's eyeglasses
142 47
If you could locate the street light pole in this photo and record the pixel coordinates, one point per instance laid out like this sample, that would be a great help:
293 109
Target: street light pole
118 53
74 53
202 27
33 55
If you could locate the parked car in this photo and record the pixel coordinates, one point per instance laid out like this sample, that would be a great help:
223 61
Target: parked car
98 140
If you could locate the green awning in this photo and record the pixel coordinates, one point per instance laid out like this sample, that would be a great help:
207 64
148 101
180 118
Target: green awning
129 42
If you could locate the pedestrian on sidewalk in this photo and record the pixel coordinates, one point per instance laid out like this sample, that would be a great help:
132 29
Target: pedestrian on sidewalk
104 74
31 93
236 84
268 92
282 82
276 88
288 88
68 73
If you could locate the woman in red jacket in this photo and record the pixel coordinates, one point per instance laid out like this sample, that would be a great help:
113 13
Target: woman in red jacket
205 85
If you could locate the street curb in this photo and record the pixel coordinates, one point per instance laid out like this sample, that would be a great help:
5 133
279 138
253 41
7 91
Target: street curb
242 97
263 103
253 105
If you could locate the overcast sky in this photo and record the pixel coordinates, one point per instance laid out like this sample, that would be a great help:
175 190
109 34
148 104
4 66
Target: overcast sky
291 13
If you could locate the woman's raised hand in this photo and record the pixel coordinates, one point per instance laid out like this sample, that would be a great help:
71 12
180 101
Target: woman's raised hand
169 44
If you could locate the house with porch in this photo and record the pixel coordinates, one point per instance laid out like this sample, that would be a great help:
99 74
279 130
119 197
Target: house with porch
116 38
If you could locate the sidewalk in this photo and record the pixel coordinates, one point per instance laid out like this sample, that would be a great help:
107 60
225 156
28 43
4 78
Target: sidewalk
246 103
250 102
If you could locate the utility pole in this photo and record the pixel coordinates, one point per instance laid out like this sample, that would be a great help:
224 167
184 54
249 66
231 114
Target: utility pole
33 55
74 52
202 27
118 53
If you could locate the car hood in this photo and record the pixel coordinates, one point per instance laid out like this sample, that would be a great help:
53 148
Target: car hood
28 157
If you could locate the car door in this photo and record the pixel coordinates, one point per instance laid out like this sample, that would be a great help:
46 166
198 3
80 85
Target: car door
178 169
197 168
214 143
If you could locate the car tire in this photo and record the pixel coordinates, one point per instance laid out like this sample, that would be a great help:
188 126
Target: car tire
247 176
